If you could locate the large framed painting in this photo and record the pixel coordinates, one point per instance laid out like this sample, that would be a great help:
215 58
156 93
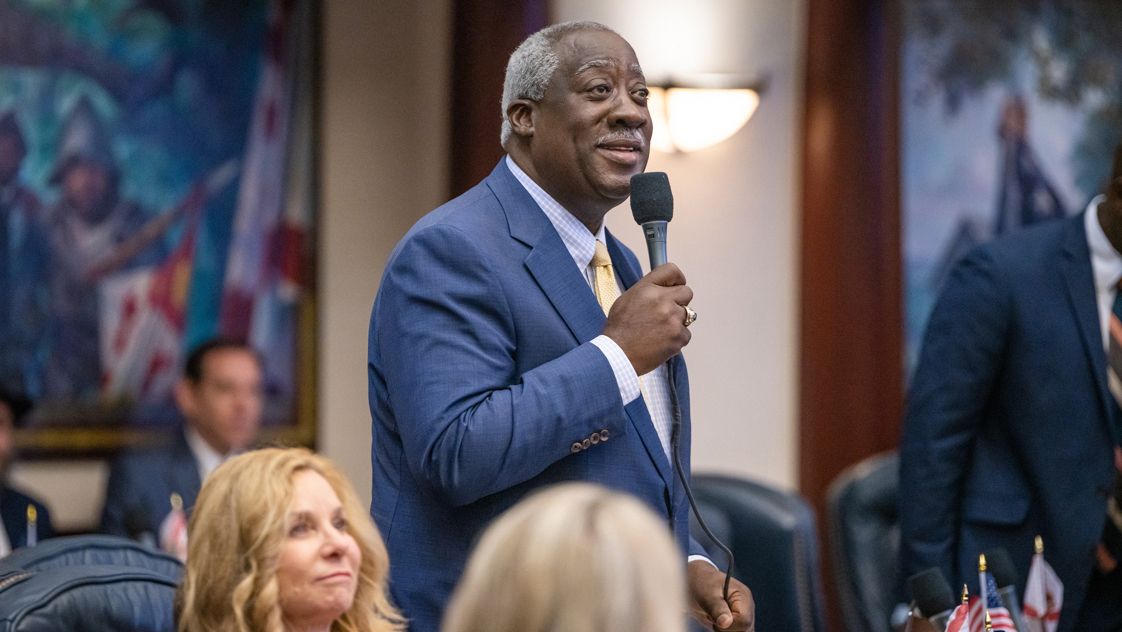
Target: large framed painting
1011 111
156 191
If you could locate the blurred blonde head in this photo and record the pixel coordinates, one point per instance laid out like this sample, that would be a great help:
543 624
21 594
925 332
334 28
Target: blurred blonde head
574 558
237 529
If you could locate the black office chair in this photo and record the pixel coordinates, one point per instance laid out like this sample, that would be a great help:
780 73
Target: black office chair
771 532
91 550
864 530
90 582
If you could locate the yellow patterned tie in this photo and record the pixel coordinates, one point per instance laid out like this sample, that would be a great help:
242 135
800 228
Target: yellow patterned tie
605 277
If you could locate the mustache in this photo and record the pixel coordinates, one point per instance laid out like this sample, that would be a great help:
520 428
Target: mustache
623 134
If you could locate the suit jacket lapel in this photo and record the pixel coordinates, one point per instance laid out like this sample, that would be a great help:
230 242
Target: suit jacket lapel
1075 266
548 261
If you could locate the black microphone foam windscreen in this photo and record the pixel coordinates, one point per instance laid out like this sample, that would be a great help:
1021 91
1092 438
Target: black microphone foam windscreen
651 200
931 592
1001 566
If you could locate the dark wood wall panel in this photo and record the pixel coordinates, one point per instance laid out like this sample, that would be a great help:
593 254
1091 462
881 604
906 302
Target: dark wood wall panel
485 33
851 367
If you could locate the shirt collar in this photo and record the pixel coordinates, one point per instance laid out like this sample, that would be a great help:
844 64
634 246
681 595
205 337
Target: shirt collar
580 243
206 457
1106 263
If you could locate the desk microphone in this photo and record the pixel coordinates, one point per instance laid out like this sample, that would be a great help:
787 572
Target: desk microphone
138 528
932 596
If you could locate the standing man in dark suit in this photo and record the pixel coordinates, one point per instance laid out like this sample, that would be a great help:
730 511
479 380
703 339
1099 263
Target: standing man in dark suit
1011 429
14 504
220 397
501 362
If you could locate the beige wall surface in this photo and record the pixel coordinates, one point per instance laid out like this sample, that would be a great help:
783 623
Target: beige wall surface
384 164
735 226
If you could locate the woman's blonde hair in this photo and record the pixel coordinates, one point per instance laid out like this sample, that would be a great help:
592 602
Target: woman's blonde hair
574 558
235 534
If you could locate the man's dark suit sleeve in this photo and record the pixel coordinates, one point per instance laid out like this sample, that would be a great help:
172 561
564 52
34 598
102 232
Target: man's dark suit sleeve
963 351
470 424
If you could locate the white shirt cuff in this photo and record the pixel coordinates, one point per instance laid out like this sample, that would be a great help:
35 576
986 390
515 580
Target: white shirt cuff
626 378
702 558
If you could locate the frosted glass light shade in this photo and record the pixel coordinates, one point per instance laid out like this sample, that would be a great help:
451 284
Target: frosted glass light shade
688 119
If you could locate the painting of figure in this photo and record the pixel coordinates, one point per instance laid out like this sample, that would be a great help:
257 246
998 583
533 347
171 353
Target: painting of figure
1010 113
155 192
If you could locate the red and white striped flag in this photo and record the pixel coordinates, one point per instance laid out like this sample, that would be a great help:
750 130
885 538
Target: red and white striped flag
960 619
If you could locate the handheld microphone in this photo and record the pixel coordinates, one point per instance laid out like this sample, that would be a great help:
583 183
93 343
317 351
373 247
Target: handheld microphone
652 205
1005 576
932 596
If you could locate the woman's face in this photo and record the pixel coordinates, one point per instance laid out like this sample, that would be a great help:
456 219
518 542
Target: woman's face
317 571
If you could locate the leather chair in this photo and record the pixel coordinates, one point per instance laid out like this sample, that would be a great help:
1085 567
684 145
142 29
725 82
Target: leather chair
91 582
772 534
864 530
82 550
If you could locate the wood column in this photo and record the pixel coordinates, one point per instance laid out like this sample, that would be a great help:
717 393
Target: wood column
485 33
851 330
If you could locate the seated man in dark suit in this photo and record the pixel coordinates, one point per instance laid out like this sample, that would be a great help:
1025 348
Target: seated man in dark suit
220 397
14 504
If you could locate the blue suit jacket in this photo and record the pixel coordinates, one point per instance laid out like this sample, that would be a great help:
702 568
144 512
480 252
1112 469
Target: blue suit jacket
1008 431
137 497
482 378
13 512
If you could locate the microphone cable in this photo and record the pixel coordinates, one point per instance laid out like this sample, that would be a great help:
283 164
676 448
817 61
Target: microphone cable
675 451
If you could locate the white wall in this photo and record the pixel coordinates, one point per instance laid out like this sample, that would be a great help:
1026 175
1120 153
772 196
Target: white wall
736 221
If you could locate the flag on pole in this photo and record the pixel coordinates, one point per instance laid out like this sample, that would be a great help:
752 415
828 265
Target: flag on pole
989 603
32 525
960 617
173 529
1044 594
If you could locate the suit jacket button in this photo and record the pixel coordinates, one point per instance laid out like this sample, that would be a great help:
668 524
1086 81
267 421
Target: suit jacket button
584 444
604 434
576 447
594 438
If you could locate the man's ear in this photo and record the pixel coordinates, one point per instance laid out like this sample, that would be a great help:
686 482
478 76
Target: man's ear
520 114
185 397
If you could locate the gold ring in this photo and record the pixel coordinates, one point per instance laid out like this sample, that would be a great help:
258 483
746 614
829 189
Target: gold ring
691 316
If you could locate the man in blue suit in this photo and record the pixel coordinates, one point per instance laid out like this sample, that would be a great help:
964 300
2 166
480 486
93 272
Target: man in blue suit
14 504
220 397
1010 428
493 370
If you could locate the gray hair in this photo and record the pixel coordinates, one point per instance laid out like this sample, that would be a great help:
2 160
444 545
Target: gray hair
533 63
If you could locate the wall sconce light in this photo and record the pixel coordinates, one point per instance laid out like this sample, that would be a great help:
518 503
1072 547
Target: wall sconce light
700 112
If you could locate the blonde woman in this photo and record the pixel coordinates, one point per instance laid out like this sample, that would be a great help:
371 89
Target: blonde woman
574 558
279 542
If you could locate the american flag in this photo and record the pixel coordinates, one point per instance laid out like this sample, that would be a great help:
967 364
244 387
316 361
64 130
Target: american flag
999 615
